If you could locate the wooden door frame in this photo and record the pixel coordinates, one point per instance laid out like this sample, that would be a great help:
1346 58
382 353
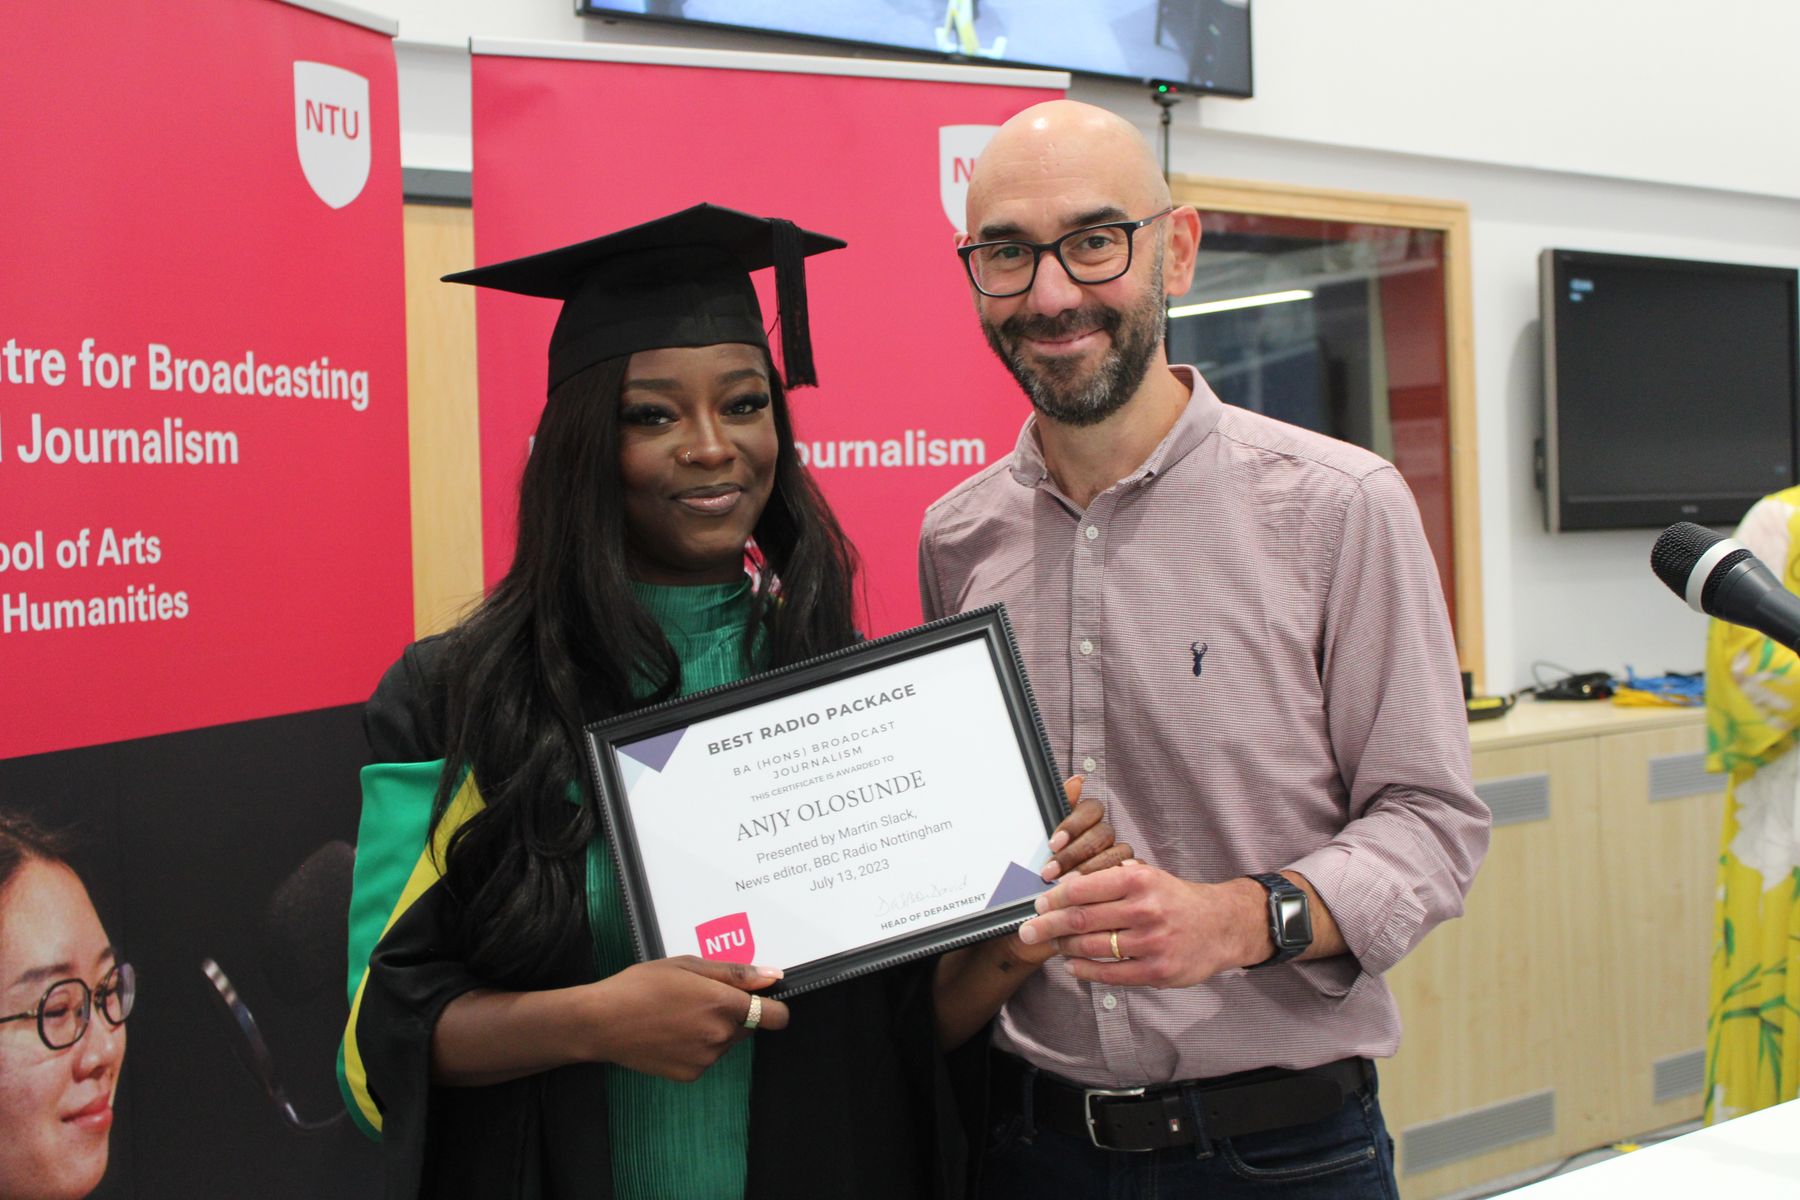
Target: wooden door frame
1451 219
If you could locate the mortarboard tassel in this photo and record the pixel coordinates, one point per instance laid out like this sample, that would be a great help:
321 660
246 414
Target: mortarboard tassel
790 304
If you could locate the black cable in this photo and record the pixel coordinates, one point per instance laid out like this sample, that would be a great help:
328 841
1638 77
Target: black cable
1571 685
1537 680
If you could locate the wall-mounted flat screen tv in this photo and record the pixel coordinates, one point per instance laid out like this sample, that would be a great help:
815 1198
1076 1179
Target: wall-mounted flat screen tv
1671 389
1203 44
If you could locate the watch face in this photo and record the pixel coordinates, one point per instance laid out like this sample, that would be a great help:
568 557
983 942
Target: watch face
1293 924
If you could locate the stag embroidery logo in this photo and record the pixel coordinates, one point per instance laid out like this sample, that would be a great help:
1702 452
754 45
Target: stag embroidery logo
1198 650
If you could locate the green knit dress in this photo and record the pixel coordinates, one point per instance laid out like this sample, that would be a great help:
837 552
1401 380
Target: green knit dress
677 1139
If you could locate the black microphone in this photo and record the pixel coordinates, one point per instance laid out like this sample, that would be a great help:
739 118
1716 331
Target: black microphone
306 925
304 932
1717 576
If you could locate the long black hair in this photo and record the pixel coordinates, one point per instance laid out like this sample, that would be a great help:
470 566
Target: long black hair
562 640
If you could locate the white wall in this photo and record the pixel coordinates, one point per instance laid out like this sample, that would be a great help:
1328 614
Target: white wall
1671 91
1584 600
1636 126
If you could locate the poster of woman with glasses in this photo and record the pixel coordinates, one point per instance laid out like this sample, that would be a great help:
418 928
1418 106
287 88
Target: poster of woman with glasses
65 993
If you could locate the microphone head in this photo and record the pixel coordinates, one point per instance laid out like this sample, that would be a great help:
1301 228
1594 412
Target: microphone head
305 926
1694 561
1676 551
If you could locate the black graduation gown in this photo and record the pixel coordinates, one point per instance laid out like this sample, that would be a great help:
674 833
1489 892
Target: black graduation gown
854 1099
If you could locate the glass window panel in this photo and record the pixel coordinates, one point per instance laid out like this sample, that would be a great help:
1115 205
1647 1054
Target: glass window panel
1336 327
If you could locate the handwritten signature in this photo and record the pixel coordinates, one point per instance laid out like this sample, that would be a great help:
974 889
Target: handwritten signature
912 898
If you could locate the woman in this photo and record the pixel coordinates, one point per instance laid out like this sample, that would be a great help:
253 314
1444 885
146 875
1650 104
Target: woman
64 998
1752 715
503 1040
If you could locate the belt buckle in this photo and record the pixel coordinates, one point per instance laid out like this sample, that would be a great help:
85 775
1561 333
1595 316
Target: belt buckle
1087 1111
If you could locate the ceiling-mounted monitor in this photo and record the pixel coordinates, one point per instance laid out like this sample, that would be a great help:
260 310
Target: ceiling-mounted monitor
1671 389
1202 44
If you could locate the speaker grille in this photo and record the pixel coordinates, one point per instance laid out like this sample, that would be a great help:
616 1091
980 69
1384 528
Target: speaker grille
1516 798
1479 1131
1673 776
1678 1075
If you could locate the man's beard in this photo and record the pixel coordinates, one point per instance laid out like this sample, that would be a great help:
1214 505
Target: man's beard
1055 386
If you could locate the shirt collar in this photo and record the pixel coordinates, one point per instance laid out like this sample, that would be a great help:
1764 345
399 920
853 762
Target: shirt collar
696 610
1199 417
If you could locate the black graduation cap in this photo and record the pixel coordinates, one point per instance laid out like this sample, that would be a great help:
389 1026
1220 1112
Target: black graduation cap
680 280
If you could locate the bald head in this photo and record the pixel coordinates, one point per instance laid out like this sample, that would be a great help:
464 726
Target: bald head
1083 335
1063 148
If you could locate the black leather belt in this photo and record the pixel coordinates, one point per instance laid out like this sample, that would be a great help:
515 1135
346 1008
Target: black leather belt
1164 1115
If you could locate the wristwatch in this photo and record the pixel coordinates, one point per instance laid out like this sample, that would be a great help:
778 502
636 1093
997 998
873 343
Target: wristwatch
1290 919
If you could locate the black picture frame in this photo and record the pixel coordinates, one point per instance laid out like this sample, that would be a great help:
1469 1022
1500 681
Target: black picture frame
988 625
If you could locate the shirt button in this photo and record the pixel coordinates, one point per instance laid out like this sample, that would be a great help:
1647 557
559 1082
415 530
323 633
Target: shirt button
1093 531
1088 764
1109 1001
1087 647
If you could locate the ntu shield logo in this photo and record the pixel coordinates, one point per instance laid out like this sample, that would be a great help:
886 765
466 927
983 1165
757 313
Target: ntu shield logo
727 939
958 147
331 130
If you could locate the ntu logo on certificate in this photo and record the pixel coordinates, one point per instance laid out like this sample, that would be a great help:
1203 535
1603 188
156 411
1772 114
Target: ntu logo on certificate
331 130
727 939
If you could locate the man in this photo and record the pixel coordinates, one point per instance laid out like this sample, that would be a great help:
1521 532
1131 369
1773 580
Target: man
1235 633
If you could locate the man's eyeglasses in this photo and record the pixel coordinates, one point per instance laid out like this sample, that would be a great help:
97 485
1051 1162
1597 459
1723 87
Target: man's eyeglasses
66 1006
1093 254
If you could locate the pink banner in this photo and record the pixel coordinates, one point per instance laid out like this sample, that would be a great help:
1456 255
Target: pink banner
911 400
203 485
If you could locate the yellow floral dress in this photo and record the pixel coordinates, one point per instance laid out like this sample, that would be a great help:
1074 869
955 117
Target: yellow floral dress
1752 719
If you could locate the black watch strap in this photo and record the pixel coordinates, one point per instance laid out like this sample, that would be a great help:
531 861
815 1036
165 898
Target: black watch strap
1290 918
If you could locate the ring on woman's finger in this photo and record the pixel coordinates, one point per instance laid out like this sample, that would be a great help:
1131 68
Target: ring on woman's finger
754 1017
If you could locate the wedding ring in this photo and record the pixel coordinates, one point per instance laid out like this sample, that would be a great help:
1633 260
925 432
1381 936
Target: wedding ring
1117 957
754 1018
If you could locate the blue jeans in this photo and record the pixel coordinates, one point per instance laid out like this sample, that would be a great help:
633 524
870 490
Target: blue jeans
1346 1156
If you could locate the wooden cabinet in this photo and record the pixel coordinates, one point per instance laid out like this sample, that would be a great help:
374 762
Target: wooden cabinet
1572 993
1660 861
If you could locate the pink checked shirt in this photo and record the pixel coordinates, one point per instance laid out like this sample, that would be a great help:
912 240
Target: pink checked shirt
1244 647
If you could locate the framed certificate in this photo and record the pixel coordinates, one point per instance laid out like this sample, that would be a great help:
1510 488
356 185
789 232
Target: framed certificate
889 801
